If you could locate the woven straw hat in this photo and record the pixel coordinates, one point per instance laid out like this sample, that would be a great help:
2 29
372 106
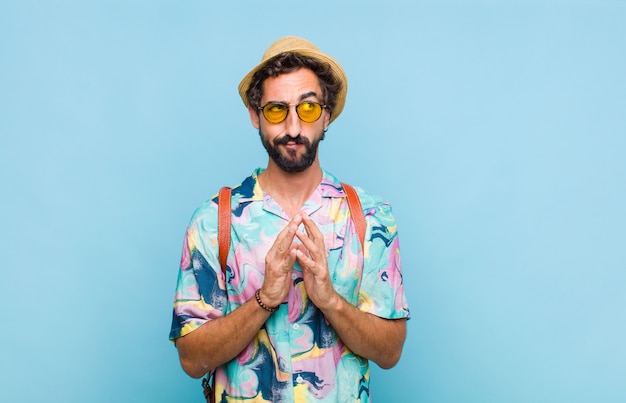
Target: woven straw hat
305 48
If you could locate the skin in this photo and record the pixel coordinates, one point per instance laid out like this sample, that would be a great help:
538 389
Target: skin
219 341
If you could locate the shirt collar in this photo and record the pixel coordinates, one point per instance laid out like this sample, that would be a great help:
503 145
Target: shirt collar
250 191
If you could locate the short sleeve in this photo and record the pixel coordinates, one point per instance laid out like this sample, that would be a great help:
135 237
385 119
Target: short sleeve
200 291
382 286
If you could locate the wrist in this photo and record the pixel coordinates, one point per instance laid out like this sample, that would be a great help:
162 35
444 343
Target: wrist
332 304
259 300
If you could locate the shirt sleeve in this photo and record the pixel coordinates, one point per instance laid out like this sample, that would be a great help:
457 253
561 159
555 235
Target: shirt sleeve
200 291
382 286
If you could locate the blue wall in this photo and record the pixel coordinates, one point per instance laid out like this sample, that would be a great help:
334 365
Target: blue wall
496 129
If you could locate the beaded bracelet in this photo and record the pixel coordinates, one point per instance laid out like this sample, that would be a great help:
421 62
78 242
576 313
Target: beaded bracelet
258 299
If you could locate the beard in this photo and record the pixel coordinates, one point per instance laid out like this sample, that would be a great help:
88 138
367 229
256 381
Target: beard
290 161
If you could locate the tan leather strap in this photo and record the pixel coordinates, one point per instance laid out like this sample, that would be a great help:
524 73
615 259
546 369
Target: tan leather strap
224 212
356 211
223 225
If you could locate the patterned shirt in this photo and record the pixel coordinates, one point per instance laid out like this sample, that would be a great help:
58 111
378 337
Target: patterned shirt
296 356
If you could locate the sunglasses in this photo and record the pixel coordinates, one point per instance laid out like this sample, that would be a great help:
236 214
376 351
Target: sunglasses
308 112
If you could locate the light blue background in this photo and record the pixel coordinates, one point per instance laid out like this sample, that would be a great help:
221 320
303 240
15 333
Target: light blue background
496 129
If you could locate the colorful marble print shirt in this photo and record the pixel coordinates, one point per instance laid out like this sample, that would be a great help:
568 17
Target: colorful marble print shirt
296 356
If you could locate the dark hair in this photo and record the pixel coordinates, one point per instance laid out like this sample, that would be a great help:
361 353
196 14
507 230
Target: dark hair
288 62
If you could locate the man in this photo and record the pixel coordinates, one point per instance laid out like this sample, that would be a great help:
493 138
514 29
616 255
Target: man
302 308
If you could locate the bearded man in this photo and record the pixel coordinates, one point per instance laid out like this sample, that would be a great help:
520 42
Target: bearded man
303 303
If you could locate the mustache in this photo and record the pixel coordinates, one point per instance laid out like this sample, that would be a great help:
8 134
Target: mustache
288 139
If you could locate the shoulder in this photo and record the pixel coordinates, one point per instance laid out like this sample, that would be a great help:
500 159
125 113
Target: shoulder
206 214
242 192
370 200
377 210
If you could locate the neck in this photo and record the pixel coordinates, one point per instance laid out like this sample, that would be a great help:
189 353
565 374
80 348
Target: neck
290 190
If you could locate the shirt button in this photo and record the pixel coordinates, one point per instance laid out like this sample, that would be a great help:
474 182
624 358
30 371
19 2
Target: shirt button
294 276
296 326
299 379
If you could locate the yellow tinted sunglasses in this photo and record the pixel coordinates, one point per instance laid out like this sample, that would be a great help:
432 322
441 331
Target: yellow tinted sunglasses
308 112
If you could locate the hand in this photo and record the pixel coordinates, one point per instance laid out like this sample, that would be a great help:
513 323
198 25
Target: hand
279 263
311 254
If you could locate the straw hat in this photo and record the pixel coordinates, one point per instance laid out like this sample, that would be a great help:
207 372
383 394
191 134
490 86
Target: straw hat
305 48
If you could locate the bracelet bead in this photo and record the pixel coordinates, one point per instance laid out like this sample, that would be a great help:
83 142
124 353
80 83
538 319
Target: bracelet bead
257 295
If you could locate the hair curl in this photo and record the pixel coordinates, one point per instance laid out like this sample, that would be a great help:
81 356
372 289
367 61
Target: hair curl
288 62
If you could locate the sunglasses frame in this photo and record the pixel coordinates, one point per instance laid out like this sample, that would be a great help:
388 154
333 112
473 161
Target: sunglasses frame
262 109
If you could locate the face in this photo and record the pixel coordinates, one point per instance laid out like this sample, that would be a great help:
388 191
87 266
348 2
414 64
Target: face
291 144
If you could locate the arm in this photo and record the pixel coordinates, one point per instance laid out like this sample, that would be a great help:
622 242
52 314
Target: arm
378 339
220 340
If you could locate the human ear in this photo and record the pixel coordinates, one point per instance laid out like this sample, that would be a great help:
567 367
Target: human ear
254 116
326 121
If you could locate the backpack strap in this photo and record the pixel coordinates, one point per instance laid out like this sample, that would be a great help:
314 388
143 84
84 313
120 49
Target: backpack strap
224 212
356 212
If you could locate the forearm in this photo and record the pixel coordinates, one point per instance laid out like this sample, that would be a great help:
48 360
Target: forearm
220 340
372 337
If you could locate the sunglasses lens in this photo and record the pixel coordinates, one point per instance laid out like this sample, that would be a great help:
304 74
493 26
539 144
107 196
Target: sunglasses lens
309 111
275 113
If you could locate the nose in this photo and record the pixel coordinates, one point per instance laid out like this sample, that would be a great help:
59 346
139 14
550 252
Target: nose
293 123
